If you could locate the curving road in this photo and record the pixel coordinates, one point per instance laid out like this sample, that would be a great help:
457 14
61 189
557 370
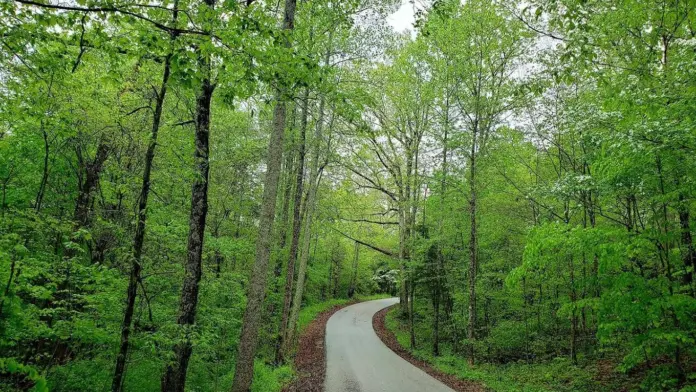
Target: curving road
358 361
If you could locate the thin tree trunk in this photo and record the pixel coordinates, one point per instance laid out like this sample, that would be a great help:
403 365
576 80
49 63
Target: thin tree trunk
285 212
174 378
573 315
403 294
411 325
296 228
304 258
436 319
44 176
473 261
314 181
354 276
439 271
139 238
6 294
244 369
689 254
5 182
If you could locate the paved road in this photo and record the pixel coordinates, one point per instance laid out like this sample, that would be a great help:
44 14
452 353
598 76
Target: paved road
358 361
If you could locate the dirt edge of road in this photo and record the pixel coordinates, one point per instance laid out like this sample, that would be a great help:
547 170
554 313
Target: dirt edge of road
388 338
310 361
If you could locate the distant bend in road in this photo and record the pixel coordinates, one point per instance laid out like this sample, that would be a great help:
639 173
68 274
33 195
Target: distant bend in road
358 361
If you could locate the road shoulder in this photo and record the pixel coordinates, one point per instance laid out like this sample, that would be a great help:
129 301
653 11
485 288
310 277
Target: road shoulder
310 361
388 338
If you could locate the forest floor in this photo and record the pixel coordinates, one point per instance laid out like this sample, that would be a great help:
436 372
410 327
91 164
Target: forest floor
389 339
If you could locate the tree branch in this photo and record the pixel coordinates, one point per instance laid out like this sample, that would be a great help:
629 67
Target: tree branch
373 247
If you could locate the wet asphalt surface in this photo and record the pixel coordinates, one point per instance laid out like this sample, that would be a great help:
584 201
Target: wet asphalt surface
358 361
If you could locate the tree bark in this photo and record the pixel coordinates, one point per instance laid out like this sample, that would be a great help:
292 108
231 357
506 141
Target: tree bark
282 348
314 181
44 175
139 238
354 276
174 378
473 260
288 168
439 271
244 368
411 325
83 207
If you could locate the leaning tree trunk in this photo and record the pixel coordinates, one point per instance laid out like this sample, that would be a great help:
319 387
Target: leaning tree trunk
139 238
174 378
244 369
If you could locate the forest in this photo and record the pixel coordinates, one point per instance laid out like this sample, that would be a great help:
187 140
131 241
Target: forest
186 183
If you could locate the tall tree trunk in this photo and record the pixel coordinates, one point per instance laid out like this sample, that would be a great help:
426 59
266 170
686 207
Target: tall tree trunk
439 270
139 238
288 167
244 369
313 188
296 228
174 378
473 260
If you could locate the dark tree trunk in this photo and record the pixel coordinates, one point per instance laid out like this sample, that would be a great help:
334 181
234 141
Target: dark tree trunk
44 175
175 374
83 208
244 369
6 294
139 238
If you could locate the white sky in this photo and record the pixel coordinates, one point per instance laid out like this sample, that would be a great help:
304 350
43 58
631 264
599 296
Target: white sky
403 18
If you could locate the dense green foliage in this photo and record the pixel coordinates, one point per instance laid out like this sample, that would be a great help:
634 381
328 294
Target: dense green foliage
521 174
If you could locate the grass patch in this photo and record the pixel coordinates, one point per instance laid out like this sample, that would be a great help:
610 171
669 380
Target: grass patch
558 375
